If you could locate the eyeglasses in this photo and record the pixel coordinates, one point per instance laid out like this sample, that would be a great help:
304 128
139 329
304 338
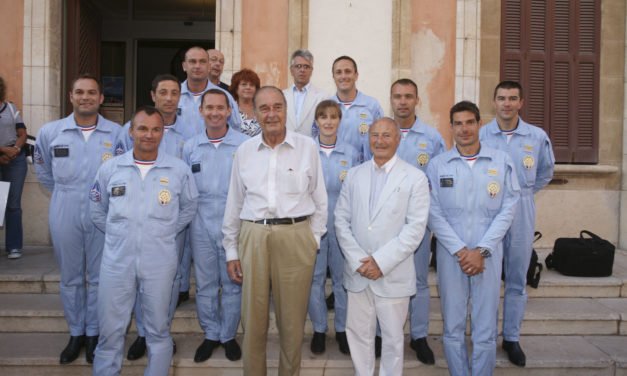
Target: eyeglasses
306 66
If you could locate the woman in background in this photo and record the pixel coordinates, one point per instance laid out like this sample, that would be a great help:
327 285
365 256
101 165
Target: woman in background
244 84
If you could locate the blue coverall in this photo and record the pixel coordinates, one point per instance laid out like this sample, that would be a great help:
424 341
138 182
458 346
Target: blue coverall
218 315
334 168
140 218
471 208
532 154
419 146
356 120
66 165
172 144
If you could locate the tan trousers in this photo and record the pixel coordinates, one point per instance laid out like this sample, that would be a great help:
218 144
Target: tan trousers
281 257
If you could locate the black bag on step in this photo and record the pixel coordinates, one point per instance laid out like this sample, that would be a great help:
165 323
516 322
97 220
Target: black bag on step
582 257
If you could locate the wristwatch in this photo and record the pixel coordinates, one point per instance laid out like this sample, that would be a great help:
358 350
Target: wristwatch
484 252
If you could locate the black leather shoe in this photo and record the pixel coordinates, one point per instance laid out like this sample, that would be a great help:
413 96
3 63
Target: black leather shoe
423 352
514 353
90 346
73 348
137 349
232 350
205 349
183 297
173 347
318 344
330 301
377 347
342 342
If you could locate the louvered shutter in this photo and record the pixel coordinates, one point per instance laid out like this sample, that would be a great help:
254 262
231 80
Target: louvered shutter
552 49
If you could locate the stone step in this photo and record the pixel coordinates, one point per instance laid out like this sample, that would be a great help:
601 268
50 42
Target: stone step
37 272
28 354
544 316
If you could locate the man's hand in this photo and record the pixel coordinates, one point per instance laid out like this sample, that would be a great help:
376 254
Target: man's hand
369 268
4 159
470 261
234 268
10 152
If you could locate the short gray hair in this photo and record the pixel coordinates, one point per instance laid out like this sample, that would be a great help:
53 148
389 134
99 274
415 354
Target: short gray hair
305 54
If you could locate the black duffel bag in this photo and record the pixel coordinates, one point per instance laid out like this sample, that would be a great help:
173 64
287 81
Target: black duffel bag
582 257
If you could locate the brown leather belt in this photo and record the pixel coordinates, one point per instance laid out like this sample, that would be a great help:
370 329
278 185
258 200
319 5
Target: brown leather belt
280 221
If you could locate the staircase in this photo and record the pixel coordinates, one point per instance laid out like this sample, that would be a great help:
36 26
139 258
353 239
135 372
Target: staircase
573 326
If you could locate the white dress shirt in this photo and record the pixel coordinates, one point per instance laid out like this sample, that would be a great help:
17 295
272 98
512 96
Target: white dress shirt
284 182
299 99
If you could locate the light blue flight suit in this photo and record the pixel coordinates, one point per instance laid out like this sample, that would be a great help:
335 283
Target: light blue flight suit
419 146
532 154
66 165
194 125
356 120
464 213
172 144
218 315
141 219
334 168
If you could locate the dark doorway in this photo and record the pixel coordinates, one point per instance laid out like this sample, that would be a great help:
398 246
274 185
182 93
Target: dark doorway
157 57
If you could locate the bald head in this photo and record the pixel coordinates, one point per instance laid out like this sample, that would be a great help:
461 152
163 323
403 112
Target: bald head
384 137
216 65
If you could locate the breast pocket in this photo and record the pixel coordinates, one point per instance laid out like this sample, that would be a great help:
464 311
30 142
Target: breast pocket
63 162
118 201
293 181
163 199
529 167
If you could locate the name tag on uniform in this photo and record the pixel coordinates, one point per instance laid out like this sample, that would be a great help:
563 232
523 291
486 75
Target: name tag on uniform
196 167
446 182
118 191
61 152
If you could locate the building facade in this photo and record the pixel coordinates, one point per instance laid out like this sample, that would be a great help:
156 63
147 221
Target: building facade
569 55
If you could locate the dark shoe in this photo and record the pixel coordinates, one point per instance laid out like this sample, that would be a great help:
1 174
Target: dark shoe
423 352
90 346
205 349
318 344
73 348
377 347
183 297
330 301
173 347
232 350
137 349
515 353
340 337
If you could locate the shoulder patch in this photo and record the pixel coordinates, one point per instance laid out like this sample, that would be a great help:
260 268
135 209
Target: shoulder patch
94 193
37 157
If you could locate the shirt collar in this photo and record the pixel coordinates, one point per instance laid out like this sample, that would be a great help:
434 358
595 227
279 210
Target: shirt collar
289 140
305 88
387 166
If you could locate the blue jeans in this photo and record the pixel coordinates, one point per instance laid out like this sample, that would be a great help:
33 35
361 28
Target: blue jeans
14 173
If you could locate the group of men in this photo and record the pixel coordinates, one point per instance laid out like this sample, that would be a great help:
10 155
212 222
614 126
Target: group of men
132 205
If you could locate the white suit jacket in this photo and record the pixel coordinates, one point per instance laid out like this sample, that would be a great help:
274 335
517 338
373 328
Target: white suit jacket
393 234
306 120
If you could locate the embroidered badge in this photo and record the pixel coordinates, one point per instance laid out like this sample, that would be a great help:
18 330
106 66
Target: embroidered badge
37 155
363 115
528 162
493 189
164 181
164 197
106 156
343 163
529 147
343 175
94 193
422 145
363 129
107 144
423 159
119 148
493 172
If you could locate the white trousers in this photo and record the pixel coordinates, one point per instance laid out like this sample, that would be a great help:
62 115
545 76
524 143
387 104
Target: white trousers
363 310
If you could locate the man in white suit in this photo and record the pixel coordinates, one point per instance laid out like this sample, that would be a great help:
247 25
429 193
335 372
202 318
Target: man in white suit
302 98
380 219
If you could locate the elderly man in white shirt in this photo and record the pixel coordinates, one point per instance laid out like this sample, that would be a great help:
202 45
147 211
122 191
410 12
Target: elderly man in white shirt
302 98
380 219
276 213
